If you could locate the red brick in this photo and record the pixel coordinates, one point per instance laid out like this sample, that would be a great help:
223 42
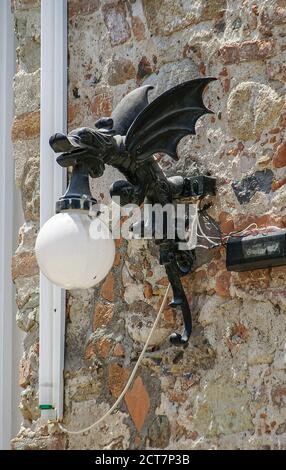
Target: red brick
278 184
101 105
223 72
138 28
82 7
107 289
226 85
255 50
73 112
169 316
148 291
258 279
222 284
246 51
261 221
144 69
26 126
255 10
117 379
102 315
103 347
278 395
279 159
119 350
90 351
241 331
138 403
117 259
202 68
212 269
163 282
229 54
226 223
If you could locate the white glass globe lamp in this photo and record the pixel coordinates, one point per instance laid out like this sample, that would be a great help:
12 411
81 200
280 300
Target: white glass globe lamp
75 250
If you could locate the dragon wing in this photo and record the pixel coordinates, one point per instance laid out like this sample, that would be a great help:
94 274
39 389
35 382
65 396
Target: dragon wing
165 121
126 111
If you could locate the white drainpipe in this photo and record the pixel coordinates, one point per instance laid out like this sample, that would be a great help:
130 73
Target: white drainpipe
52 185
7 64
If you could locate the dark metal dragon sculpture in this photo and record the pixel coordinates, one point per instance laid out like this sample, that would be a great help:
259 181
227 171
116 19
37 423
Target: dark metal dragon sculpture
128 141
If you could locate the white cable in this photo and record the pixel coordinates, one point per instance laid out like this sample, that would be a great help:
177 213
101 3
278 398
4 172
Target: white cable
204 235
239 232
121 396
206 247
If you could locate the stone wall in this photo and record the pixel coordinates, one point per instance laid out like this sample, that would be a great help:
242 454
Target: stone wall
227 388
26 146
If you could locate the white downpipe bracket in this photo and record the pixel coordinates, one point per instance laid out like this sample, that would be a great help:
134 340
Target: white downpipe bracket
7 65
52 185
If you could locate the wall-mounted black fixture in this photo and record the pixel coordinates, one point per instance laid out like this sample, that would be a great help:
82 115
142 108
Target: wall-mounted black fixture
256 251
128 141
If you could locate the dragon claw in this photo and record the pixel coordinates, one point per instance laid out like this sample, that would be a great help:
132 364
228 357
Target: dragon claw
178 340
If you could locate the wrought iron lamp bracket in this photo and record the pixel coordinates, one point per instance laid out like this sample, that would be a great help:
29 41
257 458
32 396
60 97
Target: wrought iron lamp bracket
128 141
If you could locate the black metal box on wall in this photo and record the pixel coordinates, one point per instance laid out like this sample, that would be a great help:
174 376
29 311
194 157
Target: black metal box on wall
258 251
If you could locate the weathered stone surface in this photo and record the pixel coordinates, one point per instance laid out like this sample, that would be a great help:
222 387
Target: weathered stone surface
138 28
166 17
84 7
24 4
226 389
215 410
139 320
247 187
26 126
252 108
24 372
33 442
102 315
120 70
85 412
138 403
24 150
276 70
115 19
30 189
270 16
29 405
27 92
159 432
24 264
27 27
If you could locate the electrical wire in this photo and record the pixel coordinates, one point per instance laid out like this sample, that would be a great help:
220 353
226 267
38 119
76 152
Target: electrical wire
131 377
210 240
